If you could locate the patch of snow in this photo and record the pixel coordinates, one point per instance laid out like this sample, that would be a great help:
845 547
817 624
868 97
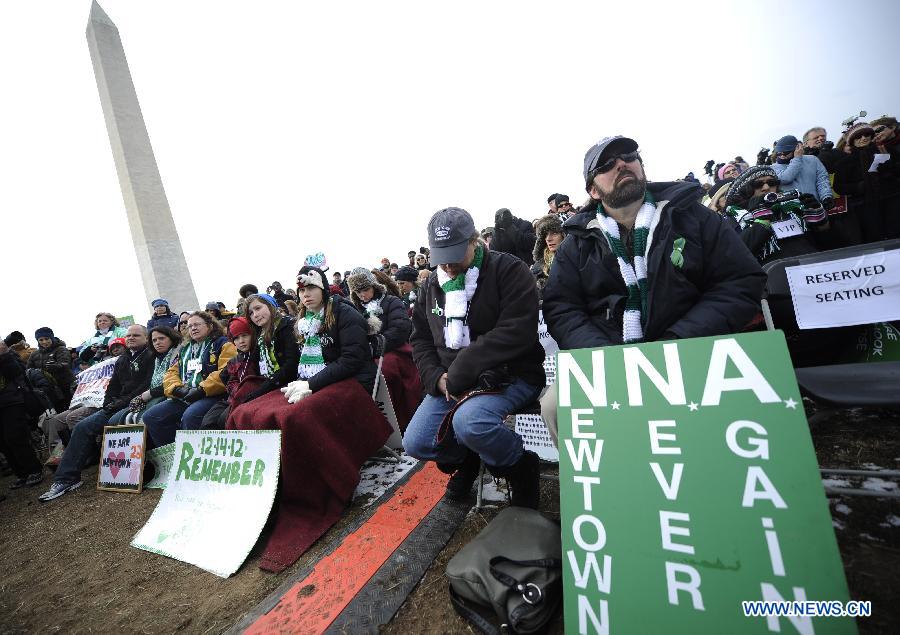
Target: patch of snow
376 477
893 521
491 492
835 482
871 537
842 509
837 524
871 466
879 485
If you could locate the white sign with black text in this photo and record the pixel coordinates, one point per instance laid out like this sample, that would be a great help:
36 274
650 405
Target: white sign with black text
846 292
787 228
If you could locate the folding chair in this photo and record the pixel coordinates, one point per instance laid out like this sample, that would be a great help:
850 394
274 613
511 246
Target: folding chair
394 441
841 385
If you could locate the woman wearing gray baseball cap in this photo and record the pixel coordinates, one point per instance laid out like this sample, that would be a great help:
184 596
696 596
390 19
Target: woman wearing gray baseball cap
476 347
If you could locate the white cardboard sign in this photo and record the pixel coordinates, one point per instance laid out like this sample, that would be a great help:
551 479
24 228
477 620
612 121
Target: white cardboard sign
220 491
787 228
383 401
536 437
859 290
551 348
122 459
92 383
162 458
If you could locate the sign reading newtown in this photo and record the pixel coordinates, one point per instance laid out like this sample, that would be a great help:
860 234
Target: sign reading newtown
220 491
689 484
859 290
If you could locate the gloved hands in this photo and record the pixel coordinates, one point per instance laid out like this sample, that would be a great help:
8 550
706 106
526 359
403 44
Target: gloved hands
296 390
195 394
813 212
180 392
136 404
827 203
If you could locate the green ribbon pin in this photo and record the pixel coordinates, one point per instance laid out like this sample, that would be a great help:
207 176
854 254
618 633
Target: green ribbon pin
677 256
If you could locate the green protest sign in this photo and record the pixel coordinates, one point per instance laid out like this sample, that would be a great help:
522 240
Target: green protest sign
689 485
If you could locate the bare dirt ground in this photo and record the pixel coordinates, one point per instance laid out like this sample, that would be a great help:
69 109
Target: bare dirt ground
67 567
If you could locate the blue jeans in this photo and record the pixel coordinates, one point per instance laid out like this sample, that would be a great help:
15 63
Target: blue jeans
477 424
164 419
82 444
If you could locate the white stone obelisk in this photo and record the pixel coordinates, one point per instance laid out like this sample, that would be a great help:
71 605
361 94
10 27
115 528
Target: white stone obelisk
160 257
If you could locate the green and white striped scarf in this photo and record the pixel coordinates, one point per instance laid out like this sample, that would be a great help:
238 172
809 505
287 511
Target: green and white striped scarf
311 360
193 351
634 271
161 365
458 293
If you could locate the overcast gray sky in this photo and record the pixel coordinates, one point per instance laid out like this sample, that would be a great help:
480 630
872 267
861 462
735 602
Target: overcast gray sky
286 128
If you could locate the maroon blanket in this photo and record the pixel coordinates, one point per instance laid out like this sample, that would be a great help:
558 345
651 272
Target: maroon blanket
325 439
402 379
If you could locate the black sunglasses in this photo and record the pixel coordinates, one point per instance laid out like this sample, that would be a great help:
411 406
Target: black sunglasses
769 182
182 324
610 163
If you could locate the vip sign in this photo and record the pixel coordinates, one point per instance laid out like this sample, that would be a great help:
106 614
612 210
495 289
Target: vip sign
689 484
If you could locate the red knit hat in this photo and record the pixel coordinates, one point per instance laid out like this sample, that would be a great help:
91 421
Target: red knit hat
239 326
119 340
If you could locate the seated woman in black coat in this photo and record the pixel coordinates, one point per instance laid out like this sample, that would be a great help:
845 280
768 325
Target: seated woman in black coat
328 420
386 314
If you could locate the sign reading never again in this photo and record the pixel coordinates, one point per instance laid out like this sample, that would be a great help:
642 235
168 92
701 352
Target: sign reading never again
688 483
219 494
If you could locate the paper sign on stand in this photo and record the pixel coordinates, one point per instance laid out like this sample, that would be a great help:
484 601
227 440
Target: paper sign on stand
536 437
689 484
859 290
122 459
218 497
550 349
161 458
92 383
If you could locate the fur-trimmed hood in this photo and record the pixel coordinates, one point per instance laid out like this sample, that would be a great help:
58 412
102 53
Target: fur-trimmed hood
546 225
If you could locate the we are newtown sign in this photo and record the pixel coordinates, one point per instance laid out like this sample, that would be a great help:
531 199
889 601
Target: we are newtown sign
689 485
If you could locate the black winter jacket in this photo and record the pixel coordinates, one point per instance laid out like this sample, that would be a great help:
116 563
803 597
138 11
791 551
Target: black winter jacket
516 238
288 355
395 323
55 360
346 349
503 321
131 376
716 291
12 375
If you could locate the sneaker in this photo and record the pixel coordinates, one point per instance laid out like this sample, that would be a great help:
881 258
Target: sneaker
58 489
34 479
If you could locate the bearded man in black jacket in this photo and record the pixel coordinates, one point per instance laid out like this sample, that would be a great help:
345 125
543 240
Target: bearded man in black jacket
644 262
476 347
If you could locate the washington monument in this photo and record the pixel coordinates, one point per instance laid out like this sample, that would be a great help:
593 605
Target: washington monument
163 267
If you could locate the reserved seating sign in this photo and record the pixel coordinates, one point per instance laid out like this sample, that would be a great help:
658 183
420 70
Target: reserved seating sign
219 494
689 490
860 290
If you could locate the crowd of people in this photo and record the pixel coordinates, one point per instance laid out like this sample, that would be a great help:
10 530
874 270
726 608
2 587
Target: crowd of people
456 324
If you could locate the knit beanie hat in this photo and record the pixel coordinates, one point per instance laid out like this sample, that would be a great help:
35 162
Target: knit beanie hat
315 277
737 193
858 129
239 326
14 338
159 302
720 173
268 298
406 274
119 341
44 331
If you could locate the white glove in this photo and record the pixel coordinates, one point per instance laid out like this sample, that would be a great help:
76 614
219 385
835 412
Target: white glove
296 390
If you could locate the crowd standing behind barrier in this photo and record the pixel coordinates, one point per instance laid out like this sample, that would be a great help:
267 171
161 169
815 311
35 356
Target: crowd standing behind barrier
638 261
